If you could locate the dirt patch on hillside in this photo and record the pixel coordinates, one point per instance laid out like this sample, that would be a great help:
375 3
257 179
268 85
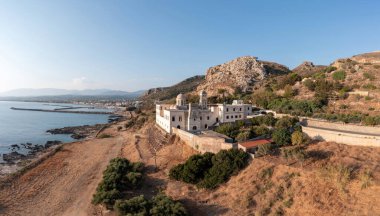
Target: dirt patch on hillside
64 183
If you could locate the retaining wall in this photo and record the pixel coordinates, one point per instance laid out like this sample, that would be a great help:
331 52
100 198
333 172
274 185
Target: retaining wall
342 133
202 143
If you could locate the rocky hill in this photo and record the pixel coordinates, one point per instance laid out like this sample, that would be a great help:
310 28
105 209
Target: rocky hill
242 73
165 93
308 68
372 57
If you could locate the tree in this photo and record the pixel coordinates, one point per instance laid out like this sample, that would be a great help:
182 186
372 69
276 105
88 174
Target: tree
297 138
243 136
281 137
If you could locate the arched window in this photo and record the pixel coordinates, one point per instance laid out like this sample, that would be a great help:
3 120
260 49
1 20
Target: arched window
194 127
173 118
179 127
217 119
227 117
206 126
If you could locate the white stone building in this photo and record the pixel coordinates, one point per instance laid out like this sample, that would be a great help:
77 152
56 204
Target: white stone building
198 117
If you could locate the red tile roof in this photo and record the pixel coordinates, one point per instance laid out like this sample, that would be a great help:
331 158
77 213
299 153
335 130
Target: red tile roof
255 143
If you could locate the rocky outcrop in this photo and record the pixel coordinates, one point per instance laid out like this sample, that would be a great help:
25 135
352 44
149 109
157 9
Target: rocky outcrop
307 68
371 58
242 73
77 132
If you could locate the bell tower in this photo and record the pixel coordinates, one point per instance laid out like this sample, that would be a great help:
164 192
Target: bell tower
203 99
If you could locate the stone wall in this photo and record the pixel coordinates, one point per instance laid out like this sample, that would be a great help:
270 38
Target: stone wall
352 128
342 133
202 143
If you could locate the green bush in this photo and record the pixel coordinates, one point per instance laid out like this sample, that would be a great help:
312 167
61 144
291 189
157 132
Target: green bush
281 137
297 138
119 176
329 69
309 84
260 130
287 122
209 170
264 150
135 206
194 169
297 153
243 136
369 76
163 205
339 75
228 129
369 87
159 205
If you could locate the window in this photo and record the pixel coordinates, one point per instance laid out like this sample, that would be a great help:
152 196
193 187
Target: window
236 116
217 119
205 126
240 108
248 108
227 117
208 117
173 118
234 109
200 118
227 109
239 116
179 127
194 127
232 116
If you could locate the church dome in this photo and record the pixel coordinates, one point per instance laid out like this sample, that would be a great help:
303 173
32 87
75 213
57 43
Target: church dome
180 97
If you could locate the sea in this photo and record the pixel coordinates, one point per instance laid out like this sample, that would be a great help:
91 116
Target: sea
20 126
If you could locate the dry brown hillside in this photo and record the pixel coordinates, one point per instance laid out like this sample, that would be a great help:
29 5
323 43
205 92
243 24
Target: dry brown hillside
273 185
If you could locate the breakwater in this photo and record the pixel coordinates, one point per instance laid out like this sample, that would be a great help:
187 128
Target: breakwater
62 111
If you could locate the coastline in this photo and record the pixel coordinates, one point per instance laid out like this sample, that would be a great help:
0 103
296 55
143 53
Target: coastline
15 162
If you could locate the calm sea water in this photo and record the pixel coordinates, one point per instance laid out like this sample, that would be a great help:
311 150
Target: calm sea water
18 126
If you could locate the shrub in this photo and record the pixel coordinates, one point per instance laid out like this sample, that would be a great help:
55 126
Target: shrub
286 122
104 136
329 69
371 120
297 138
119 175
366 178
369 87
264 150
297 153
209 170
261 130
338 174
159 205
137 206
281 137
163 205
228 129
193 170
339 75
289 91
369 76
224 164
309 84
243 136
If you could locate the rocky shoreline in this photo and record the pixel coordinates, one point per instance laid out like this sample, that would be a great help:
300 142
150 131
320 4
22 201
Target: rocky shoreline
78 132
23 153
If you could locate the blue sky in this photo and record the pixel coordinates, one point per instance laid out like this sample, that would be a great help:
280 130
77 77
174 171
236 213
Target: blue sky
138 44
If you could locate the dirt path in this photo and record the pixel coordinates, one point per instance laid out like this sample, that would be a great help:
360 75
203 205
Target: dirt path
64 183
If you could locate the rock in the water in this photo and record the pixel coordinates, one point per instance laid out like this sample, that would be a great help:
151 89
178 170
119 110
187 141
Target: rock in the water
13 156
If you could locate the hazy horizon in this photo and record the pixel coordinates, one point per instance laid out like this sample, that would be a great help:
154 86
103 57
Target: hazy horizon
136 45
